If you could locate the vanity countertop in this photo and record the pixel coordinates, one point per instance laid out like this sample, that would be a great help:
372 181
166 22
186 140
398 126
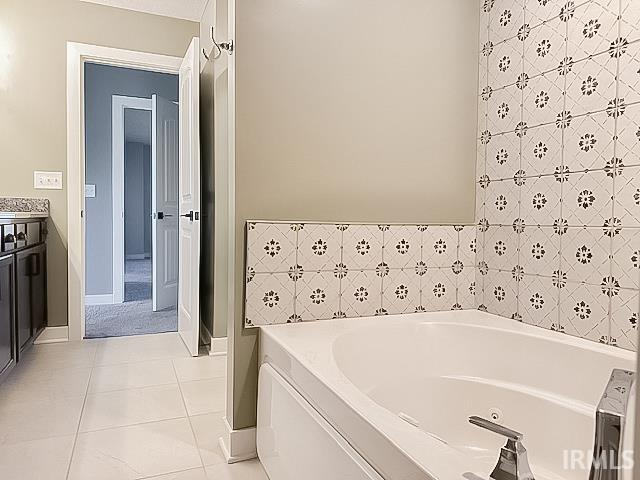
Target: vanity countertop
16 207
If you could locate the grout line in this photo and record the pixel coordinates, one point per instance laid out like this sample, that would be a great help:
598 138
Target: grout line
186 411
84 403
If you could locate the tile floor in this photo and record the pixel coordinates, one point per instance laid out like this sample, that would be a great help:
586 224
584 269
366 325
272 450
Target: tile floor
116 409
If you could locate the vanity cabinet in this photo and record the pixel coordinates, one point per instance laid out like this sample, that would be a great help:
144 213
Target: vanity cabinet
23 287
30 293
7 314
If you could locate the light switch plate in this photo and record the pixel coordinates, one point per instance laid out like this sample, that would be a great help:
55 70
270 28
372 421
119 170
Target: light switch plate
89 191
47 180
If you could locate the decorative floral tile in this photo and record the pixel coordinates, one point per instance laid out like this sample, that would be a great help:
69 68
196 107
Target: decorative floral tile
439 246
624 320
466 288
505 20
538 11
319 247
542 97
504 109
501 293
585 255
482 113
539 251
630 23
591 84
439 290
480 202
362 246
629 86
501 248
503 156
588 142
542 150
627 197
271 247
626 258
402 246
502 198
318 296
401 291
544 48
584 312
269 299
468 245
538 301
628 133
361 293
586 198
540 200
592 28
505 63
478 293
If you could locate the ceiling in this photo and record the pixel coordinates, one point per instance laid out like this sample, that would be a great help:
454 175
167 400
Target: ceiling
137 126
185 9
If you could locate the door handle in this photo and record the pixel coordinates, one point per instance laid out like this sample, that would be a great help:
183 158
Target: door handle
188 215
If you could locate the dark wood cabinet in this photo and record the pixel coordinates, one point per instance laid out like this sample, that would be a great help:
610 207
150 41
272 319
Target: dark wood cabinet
7 315
23 287
30 293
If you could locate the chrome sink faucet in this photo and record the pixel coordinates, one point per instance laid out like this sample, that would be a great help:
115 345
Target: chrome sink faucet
512 463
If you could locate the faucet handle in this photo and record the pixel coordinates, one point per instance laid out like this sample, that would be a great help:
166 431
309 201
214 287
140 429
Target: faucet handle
496 428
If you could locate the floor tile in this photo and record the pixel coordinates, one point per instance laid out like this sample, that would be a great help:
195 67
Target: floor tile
135 452
37 459
132 375
204 396
193 474
32 383
200 368
60 355
249 470
208 429
40 418
140 348
128 407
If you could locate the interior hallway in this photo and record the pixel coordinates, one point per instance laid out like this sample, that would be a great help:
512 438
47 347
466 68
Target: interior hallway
118 408
135 316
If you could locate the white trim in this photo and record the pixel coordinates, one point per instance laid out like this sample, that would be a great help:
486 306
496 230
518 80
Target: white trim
105 299
53 335
238 445
119 103
218 346
137 256
77 55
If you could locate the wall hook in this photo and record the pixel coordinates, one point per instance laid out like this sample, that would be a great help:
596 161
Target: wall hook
228 46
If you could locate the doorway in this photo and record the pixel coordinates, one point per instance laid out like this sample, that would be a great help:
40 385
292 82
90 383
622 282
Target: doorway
131 276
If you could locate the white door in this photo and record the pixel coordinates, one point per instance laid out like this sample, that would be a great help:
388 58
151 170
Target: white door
189 199
164 202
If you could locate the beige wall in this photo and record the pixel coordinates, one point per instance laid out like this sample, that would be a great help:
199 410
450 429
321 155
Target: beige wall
33 36
350 111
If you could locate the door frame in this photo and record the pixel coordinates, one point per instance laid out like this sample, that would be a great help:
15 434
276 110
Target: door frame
119 103
77 55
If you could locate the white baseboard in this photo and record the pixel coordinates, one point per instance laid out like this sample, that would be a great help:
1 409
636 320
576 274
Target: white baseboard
218 346
238 445
137 256
106 299
53 335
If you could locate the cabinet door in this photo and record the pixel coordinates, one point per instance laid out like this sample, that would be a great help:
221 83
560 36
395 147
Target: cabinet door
23 297
38 276
7 293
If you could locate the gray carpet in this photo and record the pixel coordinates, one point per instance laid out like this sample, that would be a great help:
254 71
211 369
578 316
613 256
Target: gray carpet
135 315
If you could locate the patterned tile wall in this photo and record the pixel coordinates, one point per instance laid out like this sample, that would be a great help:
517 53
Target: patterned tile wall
307 271
558 195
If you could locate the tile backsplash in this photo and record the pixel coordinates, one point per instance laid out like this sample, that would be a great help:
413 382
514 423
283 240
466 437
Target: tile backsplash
558 165
311 271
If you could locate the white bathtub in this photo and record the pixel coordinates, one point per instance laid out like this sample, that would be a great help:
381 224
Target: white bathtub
398 391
